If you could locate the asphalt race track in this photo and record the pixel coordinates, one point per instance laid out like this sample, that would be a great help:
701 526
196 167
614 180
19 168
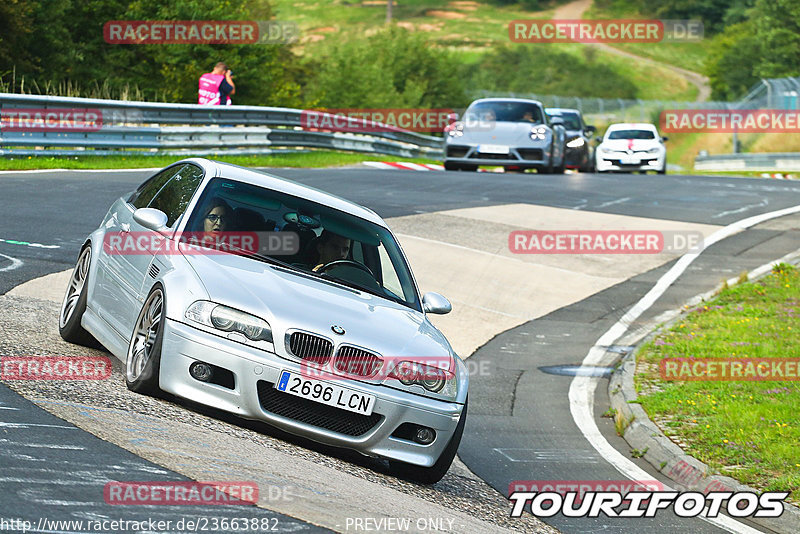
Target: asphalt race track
519 427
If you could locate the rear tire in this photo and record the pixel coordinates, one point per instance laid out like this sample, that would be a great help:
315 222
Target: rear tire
74 304
143 363
434 473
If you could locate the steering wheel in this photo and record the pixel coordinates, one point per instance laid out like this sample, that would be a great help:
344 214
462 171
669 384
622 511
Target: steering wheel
337 263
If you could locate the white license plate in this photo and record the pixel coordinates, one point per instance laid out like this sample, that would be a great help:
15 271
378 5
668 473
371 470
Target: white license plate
494 149
630 160
325 393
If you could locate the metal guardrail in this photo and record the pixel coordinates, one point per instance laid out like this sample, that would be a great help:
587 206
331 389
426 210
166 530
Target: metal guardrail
140 127
787 161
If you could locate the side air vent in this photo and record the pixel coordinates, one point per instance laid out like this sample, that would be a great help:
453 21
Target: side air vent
154 270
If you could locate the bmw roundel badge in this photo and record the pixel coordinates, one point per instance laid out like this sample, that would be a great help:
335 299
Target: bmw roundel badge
337 329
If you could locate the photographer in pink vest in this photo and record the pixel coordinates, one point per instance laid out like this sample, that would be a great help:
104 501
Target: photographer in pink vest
215 87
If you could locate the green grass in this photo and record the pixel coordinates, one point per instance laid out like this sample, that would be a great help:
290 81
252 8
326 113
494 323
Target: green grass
687 55
459 24
470 34
749 430
316 158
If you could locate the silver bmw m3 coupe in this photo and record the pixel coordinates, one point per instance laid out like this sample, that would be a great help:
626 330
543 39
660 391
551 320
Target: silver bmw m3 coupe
277 302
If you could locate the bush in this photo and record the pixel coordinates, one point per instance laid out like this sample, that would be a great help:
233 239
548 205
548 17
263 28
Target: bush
521 69
392 68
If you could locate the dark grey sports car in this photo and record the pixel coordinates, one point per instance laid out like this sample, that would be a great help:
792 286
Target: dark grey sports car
578 153
510 132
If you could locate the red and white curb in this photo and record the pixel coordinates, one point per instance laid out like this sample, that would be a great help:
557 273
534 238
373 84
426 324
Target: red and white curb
777 175
404 165
408 166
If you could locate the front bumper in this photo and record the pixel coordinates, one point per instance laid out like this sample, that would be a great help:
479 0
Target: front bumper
251 397
527 156
613 162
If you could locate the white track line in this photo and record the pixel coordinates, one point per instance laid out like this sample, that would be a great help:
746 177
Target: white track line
582 388
15 264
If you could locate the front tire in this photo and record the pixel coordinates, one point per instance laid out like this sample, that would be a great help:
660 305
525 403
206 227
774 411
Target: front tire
561 167
449 166
143 363
434 473
74 304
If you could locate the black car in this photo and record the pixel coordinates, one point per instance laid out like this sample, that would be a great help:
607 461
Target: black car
578 152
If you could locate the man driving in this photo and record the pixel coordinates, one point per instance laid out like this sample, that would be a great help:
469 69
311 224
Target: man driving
331 247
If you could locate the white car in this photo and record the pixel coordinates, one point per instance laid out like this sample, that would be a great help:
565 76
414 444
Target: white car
631 147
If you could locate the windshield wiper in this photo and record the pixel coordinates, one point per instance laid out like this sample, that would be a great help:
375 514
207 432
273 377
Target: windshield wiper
348 283
233 249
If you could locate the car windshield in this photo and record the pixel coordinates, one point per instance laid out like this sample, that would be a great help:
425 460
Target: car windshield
572 121
506 112
333 245
632 134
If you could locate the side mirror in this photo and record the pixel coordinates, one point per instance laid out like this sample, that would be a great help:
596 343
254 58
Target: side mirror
590 130
556 121
152 219
436 303
664 138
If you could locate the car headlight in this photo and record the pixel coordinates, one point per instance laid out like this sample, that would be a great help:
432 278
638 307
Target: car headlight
432 379
227 319
602 150
456 129
576 143
653 150
538 133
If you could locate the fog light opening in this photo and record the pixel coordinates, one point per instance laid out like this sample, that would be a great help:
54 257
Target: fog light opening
425 435
201 371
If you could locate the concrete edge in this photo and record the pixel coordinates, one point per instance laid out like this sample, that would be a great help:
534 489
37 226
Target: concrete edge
641 433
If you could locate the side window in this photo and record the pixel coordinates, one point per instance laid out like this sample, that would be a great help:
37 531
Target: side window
142 197
175 196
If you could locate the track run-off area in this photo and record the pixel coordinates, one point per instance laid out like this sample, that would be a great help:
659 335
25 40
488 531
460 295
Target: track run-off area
516 317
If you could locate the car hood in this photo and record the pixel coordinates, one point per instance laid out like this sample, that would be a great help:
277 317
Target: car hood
290 300
498 134
630 144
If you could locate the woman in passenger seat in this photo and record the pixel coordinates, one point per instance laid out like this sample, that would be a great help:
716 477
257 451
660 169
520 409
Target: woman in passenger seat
217 218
